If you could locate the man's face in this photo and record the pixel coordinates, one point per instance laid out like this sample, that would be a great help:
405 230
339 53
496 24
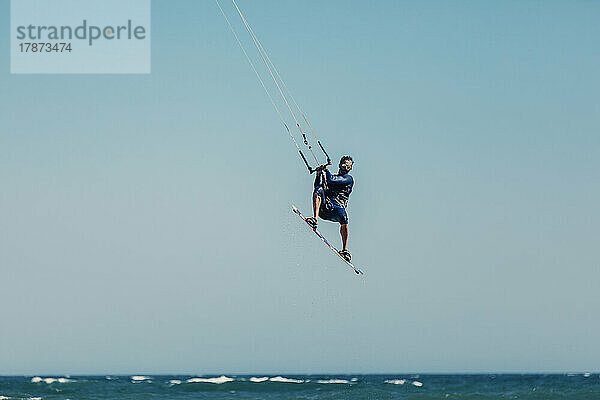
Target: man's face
347 165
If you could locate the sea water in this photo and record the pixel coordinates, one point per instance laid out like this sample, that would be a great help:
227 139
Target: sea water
310 387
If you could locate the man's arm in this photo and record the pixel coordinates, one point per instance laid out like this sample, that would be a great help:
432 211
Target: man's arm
317 179
319 174
343 180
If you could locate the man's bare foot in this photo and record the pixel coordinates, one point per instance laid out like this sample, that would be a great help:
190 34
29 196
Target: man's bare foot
346 254
312 221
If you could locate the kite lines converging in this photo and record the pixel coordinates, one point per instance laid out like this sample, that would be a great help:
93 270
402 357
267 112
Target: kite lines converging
282 89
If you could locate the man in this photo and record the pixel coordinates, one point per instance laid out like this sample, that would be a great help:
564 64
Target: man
330 199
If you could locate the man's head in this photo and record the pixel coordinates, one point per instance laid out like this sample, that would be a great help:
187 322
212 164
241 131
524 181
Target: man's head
346 164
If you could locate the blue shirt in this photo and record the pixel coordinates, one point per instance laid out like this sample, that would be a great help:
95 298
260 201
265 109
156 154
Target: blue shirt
337 187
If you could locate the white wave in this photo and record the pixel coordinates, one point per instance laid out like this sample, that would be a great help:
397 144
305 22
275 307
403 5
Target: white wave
4 398
219 380
175 382
586 375
285 380
396 381
139 378
258 380
417 384
353 379
37 379
333 381
34 398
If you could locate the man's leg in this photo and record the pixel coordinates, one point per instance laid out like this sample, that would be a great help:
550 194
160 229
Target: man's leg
316 205
344 234
316 201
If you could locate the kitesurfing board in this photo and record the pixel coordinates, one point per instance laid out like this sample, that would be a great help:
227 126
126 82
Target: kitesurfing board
336 251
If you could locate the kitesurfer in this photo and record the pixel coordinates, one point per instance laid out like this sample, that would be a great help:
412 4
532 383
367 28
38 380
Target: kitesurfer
330 199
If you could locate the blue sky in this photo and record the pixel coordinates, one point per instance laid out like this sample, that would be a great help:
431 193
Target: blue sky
146 223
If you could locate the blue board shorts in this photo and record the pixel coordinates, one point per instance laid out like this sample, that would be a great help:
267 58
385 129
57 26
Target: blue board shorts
330 210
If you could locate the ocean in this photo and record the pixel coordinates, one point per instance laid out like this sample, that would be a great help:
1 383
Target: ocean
310 387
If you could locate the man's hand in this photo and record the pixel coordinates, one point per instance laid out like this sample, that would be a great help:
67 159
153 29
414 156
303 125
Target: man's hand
321 167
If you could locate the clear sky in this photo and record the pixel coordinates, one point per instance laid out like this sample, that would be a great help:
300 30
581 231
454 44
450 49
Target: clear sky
145 221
